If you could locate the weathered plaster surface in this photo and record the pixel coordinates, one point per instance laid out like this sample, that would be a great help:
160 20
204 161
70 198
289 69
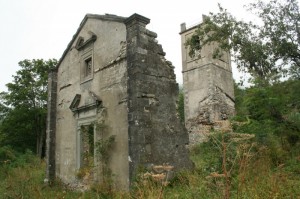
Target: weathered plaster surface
108 83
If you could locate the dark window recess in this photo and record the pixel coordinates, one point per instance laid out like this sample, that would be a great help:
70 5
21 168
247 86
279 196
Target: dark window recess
88 67
196 42
75 103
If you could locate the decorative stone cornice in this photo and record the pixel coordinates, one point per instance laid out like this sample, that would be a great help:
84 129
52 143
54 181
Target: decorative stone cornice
80 45
136 18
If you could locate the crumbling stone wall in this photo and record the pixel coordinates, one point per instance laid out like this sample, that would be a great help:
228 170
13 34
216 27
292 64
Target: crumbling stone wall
156 135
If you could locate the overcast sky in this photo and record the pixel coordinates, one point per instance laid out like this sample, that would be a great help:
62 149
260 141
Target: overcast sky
35 29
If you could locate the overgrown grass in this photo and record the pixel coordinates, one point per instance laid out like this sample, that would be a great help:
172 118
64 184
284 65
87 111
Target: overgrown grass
23 178
258 177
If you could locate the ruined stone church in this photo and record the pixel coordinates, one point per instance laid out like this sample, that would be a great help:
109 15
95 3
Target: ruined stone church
112 102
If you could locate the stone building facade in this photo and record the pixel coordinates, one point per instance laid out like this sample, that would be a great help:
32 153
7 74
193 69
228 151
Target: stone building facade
208 87
113 85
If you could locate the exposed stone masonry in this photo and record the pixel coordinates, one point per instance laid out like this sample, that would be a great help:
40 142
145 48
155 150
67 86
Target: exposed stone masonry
156 135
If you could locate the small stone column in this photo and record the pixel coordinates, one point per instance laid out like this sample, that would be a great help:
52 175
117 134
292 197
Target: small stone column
51 126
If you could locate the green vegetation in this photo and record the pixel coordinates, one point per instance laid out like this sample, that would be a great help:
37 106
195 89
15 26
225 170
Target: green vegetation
23 108
256 167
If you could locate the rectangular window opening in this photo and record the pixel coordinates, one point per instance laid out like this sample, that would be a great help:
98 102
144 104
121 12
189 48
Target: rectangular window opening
88 67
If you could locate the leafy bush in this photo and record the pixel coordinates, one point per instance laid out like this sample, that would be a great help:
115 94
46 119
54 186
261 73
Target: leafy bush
7 154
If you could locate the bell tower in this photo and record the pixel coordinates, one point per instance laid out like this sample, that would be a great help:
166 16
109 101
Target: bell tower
208 86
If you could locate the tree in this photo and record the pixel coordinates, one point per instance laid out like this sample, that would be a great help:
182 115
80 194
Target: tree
24 122
3 111
266 50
